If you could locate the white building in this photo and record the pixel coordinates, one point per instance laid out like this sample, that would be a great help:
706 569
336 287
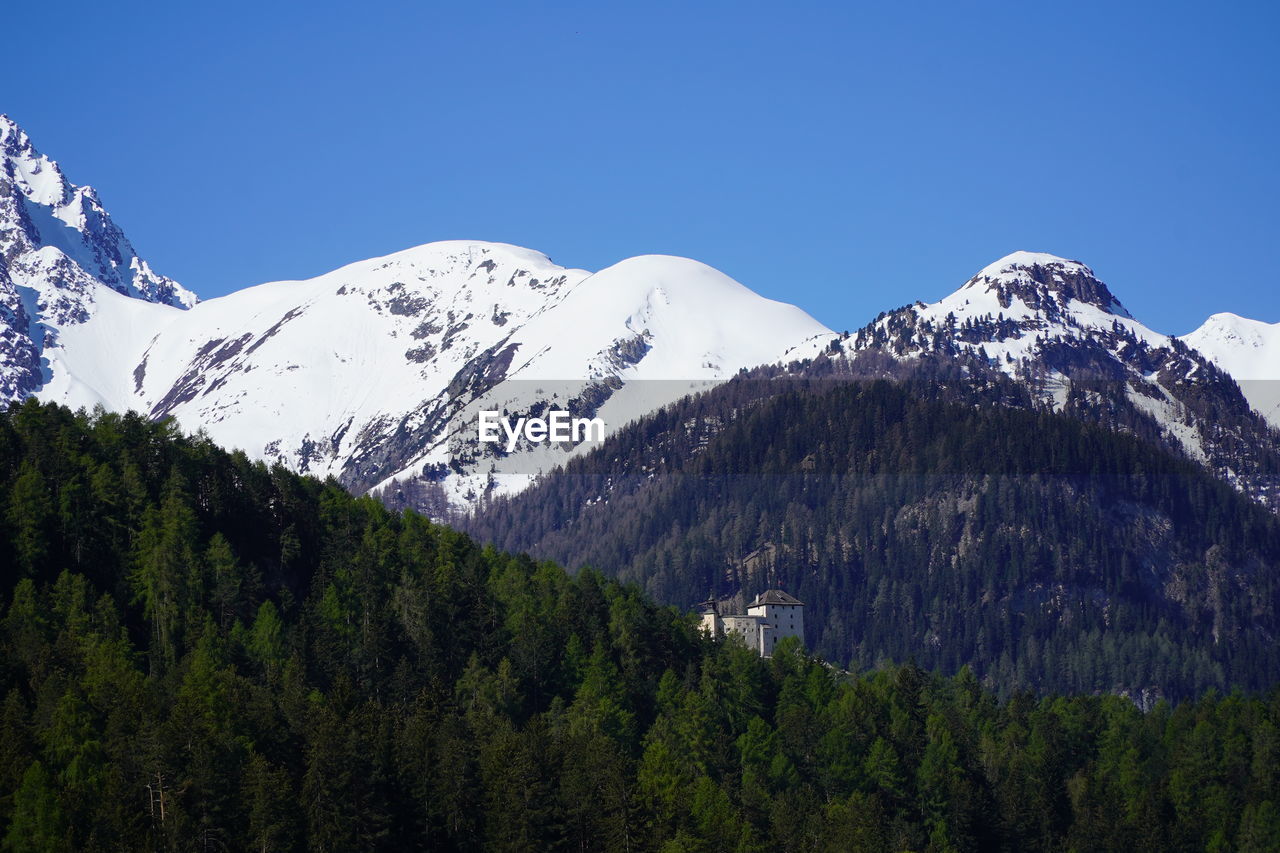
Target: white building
773 615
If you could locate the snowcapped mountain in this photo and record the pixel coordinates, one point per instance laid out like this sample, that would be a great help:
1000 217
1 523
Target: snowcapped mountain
1052 324
1249 350
373 373
60 255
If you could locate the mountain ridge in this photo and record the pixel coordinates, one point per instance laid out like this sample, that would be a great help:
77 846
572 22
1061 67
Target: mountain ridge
371 372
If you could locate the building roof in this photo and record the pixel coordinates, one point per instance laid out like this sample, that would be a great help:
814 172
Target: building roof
775 596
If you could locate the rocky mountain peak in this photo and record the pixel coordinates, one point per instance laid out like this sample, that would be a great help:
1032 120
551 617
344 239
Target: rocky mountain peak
12 137
57 237
1048 322
1045 283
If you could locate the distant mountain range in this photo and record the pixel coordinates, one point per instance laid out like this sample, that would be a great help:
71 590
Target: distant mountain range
372 373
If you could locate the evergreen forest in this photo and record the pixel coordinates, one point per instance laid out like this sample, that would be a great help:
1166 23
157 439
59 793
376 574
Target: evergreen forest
199 652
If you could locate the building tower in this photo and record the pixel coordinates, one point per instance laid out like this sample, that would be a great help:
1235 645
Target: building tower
711 622
782 613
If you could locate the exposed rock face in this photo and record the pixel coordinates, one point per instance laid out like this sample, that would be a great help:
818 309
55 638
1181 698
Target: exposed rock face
19 354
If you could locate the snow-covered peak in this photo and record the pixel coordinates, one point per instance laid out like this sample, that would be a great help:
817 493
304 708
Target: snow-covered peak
38 177
1049 323
448 256
62 263
13 138
1248 350
1026 260
1010 305
373 372
41 209
688 319
1045 282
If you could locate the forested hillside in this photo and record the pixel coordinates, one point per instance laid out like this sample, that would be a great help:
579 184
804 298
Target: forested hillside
939 520
200 653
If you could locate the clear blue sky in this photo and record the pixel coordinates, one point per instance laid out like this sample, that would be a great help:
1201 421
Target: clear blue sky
847 157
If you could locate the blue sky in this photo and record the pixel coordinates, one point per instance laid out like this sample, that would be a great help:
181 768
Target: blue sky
847 157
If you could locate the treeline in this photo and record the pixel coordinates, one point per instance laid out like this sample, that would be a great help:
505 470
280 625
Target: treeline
199 652
1043 552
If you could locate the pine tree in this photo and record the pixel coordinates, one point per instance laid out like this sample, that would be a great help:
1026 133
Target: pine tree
29 514
38 824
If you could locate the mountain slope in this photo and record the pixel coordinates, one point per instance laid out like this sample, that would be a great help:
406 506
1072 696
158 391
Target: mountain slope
1042 551
372 373
368 372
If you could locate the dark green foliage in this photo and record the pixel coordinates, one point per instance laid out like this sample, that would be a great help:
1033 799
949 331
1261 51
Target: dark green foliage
1041 551
232 657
